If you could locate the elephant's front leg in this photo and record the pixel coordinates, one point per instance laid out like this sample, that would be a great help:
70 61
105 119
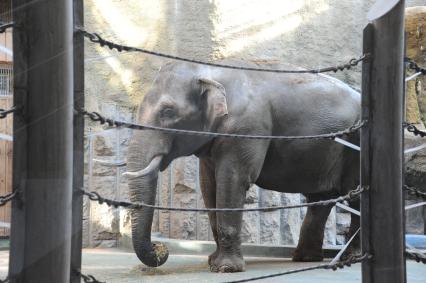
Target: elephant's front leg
208 189
231 186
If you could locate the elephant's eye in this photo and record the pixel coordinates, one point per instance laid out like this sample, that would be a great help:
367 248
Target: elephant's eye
168 113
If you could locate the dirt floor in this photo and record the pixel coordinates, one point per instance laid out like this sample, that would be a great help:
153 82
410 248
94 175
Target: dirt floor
117 266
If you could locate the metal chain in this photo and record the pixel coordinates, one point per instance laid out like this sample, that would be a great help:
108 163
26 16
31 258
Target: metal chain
4 113
6 280
416 256
338 265
414 130
414 191
94 196
4 27
88 278
414 66
96 117
6 198
96 38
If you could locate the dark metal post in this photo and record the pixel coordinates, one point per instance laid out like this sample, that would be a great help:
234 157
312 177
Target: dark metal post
382 144
365 149
43 141
78 170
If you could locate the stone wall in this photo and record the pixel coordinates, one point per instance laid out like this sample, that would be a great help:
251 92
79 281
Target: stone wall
308 33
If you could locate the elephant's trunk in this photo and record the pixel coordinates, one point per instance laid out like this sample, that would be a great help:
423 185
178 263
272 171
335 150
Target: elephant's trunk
143 189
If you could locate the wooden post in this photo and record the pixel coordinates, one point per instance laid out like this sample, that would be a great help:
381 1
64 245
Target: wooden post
43 141
78 160
382 145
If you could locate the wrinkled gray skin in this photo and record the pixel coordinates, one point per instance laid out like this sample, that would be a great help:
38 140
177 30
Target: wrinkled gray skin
201 98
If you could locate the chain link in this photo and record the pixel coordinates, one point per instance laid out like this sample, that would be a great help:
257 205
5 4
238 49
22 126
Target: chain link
4 113
3 29
416 256
338 265
413 129
88 278
96 38
94 196
414 191
96 117
6 280
414 66
6 198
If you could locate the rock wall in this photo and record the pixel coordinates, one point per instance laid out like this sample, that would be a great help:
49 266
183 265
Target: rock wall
308 33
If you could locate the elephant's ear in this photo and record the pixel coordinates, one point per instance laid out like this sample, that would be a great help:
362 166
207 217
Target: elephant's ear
214 97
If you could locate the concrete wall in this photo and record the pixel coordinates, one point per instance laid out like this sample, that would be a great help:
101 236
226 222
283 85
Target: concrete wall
308 33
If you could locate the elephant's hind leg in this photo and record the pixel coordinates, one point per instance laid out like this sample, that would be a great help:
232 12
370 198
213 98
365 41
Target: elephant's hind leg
311 236
208 189
355 246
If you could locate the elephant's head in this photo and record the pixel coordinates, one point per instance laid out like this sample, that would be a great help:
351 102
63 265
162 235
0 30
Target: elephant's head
180 98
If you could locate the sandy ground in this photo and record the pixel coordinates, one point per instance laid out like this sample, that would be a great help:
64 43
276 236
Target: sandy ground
114 266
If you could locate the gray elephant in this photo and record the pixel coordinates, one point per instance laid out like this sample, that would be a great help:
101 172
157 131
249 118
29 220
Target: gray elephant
203 98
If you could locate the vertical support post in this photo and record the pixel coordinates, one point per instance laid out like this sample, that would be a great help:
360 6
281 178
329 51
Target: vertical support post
365 150
43 141
78 157
382 145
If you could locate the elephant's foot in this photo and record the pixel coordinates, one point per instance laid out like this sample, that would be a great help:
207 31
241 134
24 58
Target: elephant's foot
227 263
308 255
213 256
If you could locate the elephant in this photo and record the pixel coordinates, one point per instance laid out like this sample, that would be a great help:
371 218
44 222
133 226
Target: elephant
210 99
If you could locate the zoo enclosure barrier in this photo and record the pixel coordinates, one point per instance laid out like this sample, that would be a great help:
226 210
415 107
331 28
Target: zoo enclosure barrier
375 81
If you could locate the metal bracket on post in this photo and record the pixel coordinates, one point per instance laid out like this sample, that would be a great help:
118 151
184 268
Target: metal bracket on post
382 210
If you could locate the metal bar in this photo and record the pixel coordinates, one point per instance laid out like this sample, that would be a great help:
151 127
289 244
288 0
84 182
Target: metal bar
348 144
4 225
117 174
90 187
413 76
6 137
345 247
43 142
347 208
414 205
78 150
385 158
414 149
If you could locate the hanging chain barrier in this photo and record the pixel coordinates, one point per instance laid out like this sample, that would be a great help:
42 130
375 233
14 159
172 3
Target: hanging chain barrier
6 198
414 191
96 117
418 257
4 27
4 112
412 65
94 196
338 265
88 278
6 280
414 130
96 38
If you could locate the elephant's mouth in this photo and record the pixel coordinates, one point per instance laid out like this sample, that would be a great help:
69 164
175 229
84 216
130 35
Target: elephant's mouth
167 159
